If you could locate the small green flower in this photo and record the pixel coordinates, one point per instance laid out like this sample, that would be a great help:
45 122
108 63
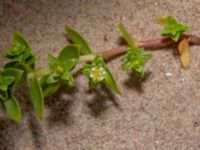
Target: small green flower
134 60
173 29
98 74
96 71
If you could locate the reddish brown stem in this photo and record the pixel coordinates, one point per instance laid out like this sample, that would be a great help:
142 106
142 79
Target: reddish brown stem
149 44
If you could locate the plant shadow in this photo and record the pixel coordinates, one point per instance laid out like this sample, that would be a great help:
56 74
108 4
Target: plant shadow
33 123
121 41
60 105
103 99
35 127
10 130
7 141
135 82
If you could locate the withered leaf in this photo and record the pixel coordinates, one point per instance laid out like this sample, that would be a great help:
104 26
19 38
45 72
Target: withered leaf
184 52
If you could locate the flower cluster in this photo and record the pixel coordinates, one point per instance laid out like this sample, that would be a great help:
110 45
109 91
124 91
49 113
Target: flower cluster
60 71
20 51
134 60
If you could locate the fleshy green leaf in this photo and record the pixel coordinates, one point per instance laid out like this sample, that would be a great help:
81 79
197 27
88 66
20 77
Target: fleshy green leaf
49 89
127 36
69 52
173 29
12 109
26 69
53 78
36 96
60 66
110 82
15 73
53 61
68 79
11 64
5 81
78 39
31 60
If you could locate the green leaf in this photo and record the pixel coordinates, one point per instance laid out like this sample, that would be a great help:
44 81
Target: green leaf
78 39
37 96
53 61
5 81
12 109
31 60
53 78
70 64
50 89
110 82
173 29
15 73
68 79
3 95
20 39
9 80
127 36
11 64
69 52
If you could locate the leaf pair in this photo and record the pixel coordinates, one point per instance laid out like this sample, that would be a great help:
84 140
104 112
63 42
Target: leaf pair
136 58
60 69
96 71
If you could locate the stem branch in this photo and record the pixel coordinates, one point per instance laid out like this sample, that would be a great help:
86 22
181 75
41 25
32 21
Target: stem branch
149 44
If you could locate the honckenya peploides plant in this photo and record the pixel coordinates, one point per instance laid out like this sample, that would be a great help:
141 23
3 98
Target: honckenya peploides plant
44 82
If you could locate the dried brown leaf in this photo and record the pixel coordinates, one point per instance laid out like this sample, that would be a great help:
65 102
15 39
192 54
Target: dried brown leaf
184 52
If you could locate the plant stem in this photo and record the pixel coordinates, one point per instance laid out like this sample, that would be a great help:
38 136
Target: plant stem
149 44
43 72
86 58
40 72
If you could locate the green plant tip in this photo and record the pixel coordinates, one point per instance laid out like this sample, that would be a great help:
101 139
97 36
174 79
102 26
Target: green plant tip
173 29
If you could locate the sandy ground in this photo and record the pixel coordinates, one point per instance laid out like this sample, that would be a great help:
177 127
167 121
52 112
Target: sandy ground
161 112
